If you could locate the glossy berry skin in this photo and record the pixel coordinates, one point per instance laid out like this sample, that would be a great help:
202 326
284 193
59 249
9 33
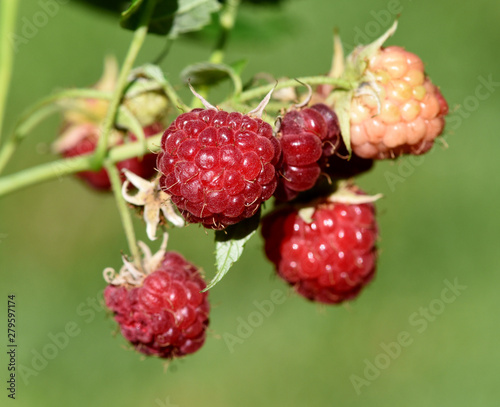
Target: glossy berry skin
168 315
88 134
327 260
308 137
405 114
217 166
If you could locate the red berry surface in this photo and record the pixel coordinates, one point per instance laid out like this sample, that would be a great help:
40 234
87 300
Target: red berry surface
328 259
168 315
87 136
403 113
308 137
217 166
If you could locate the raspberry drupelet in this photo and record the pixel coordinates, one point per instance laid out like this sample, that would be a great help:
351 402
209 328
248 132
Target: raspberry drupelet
305 135
327 258
312 145
166 315
218 167
400 111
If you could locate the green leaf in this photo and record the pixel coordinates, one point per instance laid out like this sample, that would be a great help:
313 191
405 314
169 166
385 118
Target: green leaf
343 110
193 15
131 18
206 73
155 73
239 66
106 5
150 71
229 245
256 27
171 17
357 61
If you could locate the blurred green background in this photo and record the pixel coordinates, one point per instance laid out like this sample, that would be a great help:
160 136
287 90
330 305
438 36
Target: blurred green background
438 222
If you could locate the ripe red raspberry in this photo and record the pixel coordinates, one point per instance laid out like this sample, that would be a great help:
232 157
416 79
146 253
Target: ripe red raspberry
308 137
166 316
329 258
217 166
82 139
401 111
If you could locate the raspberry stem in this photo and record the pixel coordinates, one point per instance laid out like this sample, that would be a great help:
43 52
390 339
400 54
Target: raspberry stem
8 12
60 168
116 185
126 118
66 166
227 18
309 80
38 112
135 46
174 98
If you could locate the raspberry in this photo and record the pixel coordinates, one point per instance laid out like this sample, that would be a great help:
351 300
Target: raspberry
407 112
166 316
328 259
217 166
306 136
82 139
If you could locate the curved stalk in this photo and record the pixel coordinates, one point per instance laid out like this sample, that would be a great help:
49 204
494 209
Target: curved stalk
38 112
294 83
60 168
227 19
8 12
109 120
116 185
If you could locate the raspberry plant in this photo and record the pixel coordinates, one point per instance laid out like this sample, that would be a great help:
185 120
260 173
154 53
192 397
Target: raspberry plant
178 162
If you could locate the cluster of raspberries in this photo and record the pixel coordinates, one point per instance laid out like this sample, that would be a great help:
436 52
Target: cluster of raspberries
218 168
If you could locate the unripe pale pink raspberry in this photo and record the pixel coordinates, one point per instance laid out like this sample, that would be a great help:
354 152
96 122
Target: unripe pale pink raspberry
166 316
328 259
400 111
218 167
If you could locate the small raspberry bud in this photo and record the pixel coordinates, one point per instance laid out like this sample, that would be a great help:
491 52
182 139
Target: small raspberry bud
327 256
218 167
398 110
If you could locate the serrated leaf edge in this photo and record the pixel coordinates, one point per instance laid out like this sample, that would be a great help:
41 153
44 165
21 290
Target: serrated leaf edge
228 259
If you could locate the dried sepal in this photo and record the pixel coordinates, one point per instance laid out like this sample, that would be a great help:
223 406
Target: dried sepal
129 274
154 201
